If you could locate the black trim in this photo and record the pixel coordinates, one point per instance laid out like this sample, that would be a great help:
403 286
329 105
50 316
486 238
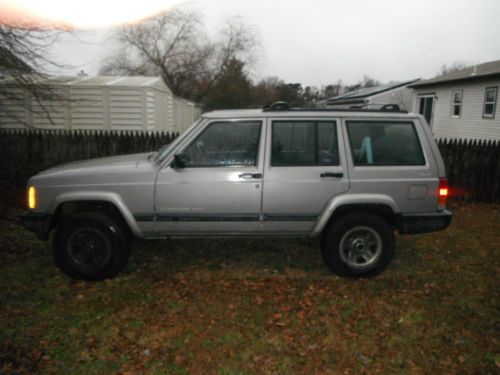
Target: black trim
424 223
144 217
290 217
207 217
190 217
37 222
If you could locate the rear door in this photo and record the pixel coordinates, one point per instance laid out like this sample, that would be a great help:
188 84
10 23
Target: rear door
304 168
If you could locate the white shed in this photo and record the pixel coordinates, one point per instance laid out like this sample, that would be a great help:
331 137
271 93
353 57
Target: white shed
103 103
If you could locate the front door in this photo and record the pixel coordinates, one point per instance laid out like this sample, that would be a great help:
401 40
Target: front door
219 190
305 169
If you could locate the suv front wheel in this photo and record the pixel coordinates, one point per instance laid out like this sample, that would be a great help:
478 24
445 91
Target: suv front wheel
359 244
90 246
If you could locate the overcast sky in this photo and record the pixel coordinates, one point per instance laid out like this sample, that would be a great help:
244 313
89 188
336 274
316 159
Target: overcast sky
318 42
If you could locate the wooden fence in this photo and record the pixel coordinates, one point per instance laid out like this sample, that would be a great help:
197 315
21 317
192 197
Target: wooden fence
473 167
24 152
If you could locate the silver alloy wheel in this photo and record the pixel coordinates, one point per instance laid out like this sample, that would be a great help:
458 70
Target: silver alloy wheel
360 247
89 248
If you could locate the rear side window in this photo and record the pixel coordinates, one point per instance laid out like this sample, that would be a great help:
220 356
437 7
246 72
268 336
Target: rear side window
304 143
384 143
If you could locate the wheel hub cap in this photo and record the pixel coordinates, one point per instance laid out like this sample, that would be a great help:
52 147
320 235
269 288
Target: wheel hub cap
360 247
89 249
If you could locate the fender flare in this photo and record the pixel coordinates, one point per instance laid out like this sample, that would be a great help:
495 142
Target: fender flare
351 200
99 196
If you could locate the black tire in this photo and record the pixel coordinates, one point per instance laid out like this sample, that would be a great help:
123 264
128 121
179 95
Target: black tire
91 246
358 244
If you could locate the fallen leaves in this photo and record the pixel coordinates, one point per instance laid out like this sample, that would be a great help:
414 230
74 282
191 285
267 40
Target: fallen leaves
186 311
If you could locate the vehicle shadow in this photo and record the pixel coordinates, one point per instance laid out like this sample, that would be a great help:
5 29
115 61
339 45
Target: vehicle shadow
256 255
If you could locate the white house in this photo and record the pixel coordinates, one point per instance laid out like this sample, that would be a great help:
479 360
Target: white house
374 97
462 104
100 103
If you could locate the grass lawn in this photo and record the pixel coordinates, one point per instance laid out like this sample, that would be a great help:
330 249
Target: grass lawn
258 307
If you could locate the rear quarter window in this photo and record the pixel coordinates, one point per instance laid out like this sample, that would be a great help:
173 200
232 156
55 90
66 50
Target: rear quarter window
384 143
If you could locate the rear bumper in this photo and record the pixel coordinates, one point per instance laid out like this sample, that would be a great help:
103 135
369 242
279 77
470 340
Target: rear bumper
38 223
424 223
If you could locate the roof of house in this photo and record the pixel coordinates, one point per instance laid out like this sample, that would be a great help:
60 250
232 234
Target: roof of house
481 71
359 96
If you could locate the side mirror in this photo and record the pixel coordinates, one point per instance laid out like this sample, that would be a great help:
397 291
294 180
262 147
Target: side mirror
179 161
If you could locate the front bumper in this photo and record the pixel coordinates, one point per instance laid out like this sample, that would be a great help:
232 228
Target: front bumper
424 222
36 222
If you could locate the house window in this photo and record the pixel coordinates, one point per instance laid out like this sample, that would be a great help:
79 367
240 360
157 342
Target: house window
490 101
456 104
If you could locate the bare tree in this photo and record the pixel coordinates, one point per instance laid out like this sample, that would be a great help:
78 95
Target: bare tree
174 45
453 67
24 60
266 91
368 81
332 90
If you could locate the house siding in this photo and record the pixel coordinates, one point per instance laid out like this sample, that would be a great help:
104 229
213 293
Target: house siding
470 124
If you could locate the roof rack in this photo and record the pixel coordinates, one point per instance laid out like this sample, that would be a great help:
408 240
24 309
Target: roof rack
284 106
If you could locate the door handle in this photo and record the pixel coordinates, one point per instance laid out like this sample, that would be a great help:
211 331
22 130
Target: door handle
332 174
248 176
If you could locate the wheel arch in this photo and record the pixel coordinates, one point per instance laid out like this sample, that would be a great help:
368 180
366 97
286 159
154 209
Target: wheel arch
107 203
381 205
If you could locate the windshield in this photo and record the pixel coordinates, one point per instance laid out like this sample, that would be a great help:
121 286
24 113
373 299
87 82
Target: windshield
165 150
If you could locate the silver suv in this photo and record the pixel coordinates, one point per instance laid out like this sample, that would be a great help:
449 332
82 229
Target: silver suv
348 177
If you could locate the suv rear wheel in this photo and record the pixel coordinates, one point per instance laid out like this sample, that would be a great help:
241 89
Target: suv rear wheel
358 245
90 246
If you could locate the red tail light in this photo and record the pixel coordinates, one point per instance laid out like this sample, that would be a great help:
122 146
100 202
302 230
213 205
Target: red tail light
442 192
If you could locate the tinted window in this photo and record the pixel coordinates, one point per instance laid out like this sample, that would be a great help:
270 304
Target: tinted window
296 143
384 143
225 144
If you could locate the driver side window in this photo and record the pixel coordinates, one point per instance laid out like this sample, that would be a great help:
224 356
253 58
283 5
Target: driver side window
224 144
